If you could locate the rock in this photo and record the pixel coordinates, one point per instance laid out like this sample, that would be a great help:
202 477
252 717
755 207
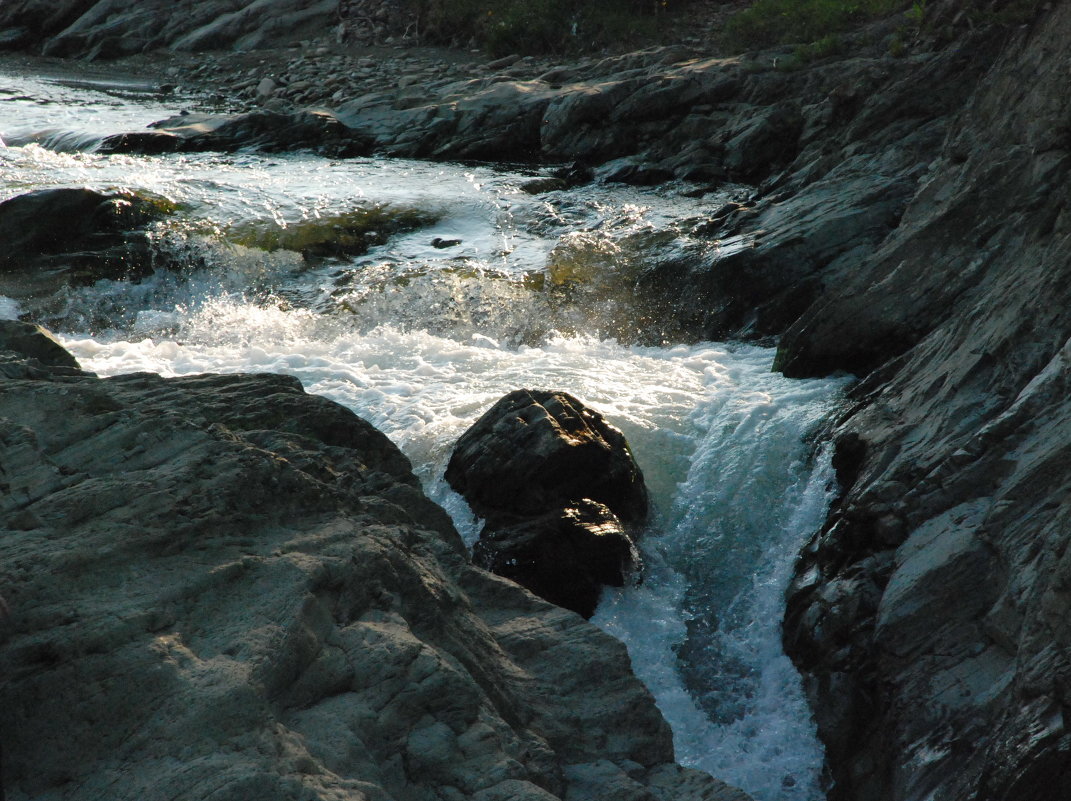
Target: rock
574 125
502 63
103 30
539 186
536 451
56 221
760 145
929 615
32 342
771 261
576 174
629 172
68 236
267 130
560 492
265 89
496 121
909 220
146 143
564 556
228 587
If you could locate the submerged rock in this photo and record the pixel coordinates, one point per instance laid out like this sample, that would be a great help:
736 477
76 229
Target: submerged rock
347 233
560 493
228 587
56 238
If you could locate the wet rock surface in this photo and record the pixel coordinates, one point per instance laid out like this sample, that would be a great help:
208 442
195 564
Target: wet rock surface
560 492
565 556
83 233
224 586
535 450
264 130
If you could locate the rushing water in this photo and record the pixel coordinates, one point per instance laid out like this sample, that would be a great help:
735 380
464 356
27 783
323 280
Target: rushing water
420 338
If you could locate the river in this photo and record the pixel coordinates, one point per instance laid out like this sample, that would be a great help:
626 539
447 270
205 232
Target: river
471 288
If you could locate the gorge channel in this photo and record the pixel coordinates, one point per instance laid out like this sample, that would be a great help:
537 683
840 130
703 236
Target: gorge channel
480 288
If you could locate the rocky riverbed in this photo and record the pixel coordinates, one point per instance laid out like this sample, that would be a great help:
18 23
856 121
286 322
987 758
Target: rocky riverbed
903 217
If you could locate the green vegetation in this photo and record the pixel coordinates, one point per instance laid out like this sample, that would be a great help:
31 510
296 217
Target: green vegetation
916 14
774 22
830 45
539 26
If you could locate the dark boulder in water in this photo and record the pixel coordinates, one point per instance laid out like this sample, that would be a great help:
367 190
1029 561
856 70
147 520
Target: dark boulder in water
535 451
262 130
67 220
560 492
146 143
78 233
564 556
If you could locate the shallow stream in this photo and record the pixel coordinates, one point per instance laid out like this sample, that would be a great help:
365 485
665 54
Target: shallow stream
468 287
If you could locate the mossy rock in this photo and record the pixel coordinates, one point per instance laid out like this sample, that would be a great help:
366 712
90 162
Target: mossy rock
349 233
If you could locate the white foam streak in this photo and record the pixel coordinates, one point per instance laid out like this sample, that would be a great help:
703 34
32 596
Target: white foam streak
9 308
713 604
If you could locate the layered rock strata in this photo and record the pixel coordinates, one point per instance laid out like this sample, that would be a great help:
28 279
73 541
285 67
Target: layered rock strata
108 29
223 588
929 615
560 494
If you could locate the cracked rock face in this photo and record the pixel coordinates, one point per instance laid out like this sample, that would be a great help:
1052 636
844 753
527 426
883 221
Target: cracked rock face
223 588
930 615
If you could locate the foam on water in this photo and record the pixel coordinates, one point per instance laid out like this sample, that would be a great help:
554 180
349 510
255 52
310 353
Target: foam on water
35 105
721 441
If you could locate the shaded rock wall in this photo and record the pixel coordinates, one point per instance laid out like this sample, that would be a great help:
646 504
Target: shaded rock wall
930 614
223 588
